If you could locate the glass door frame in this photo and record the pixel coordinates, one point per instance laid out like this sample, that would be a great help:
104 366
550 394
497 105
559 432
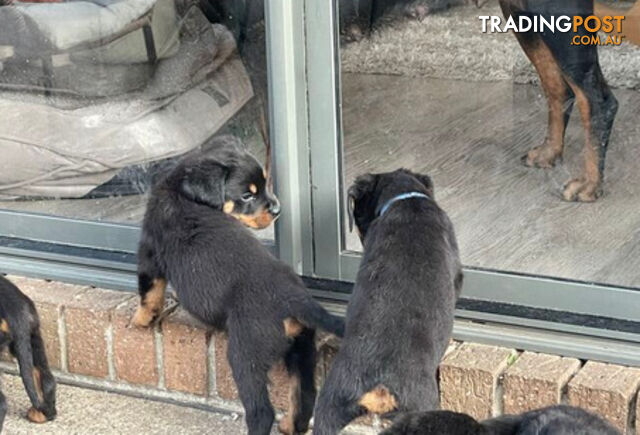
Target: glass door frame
584 305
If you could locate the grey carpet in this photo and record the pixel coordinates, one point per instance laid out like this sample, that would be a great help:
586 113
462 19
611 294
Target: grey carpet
450 45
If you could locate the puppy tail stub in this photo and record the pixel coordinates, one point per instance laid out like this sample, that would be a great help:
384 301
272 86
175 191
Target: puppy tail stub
379 400
310 313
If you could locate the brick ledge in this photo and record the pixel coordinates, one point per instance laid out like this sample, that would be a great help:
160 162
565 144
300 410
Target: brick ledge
89 343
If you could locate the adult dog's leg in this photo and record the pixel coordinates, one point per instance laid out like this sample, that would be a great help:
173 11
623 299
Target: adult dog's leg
45 382
300 361
559 96
250 376
151 287
598 108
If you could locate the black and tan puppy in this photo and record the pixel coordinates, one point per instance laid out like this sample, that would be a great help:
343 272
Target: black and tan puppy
194 236
20 331
400 316
556 420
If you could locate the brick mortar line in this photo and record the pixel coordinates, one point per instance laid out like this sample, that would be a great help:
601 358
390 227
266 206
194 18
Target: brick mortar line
497 401
564 392
111 366
159 348
62 337
211 366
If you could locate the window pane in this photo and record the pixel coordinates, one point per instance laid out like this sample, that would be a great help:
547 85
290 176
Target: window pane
99 98
427 90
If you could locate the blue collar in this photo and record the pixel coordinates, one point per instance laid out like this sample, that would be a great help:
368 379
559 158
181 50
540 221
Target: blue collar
401 197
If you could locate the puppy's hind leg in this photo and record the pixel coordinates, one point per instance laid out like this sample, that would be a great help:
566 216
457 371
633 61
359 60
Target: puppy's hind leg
250 375
45 382
338 404
300 361
151 287
21 349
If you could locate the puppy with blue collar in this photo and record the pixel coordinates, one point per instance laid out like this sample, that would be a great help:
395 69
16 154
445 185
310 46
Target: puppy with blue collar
400 316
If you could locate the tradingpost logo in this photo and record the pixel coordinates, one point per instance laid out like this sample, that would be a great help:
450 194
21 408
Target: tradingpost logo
611 25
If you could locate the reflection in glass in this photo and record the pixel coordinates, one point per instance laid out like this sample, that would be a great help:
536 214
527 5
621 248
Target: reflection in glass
434 94
98 98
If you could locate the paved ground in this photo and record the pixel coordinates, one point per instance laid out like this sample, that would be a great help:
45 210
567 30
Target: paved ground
82 411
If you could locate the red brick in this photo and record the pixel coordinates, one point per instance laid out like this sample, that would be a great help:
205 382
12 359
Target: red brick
88 319
469 379
134 349
185 353
49 297
279 380
535 381
607 390
225 385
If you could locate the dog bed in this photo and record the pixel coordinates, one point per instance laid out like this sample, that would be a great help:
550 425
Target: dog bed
68 132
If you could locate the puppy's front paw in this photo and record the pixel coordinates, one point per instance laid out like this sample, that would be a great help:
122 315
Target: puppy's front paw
35 416
286 426
143 317
581 190
541 157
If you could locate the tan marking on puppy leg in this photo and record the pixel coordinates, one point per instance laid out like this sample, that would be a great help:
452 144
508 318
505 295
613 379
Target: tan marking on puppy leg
287 424
35 416
253 188
228 207
4 326
379 400
151 305
37 380
292 328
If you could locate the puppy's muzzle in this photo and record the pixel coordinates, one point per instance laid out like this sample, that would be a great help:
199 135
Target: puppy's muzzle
274 208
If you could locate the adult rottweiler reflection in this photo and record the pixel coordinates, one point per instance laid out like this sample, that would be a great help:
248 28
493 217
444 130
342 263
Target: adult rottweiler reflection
569 74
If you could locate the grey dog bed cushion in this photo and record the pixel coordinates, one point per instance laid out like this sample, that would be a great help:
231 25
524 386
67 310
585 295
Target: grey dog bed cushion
67 144
86 48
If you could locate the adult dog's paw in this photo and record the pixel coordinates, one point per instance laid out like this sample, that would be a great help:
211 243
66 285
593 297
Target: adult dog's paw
581 190
541 157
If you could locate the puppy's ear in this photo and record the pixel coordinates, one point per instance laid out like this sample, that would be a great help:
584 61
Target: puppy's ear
426 181
204 183
363 185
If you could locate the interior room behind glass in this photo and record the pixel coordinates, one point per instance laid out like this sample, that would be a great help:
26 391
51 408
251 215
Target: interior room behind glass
427 90
98 98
